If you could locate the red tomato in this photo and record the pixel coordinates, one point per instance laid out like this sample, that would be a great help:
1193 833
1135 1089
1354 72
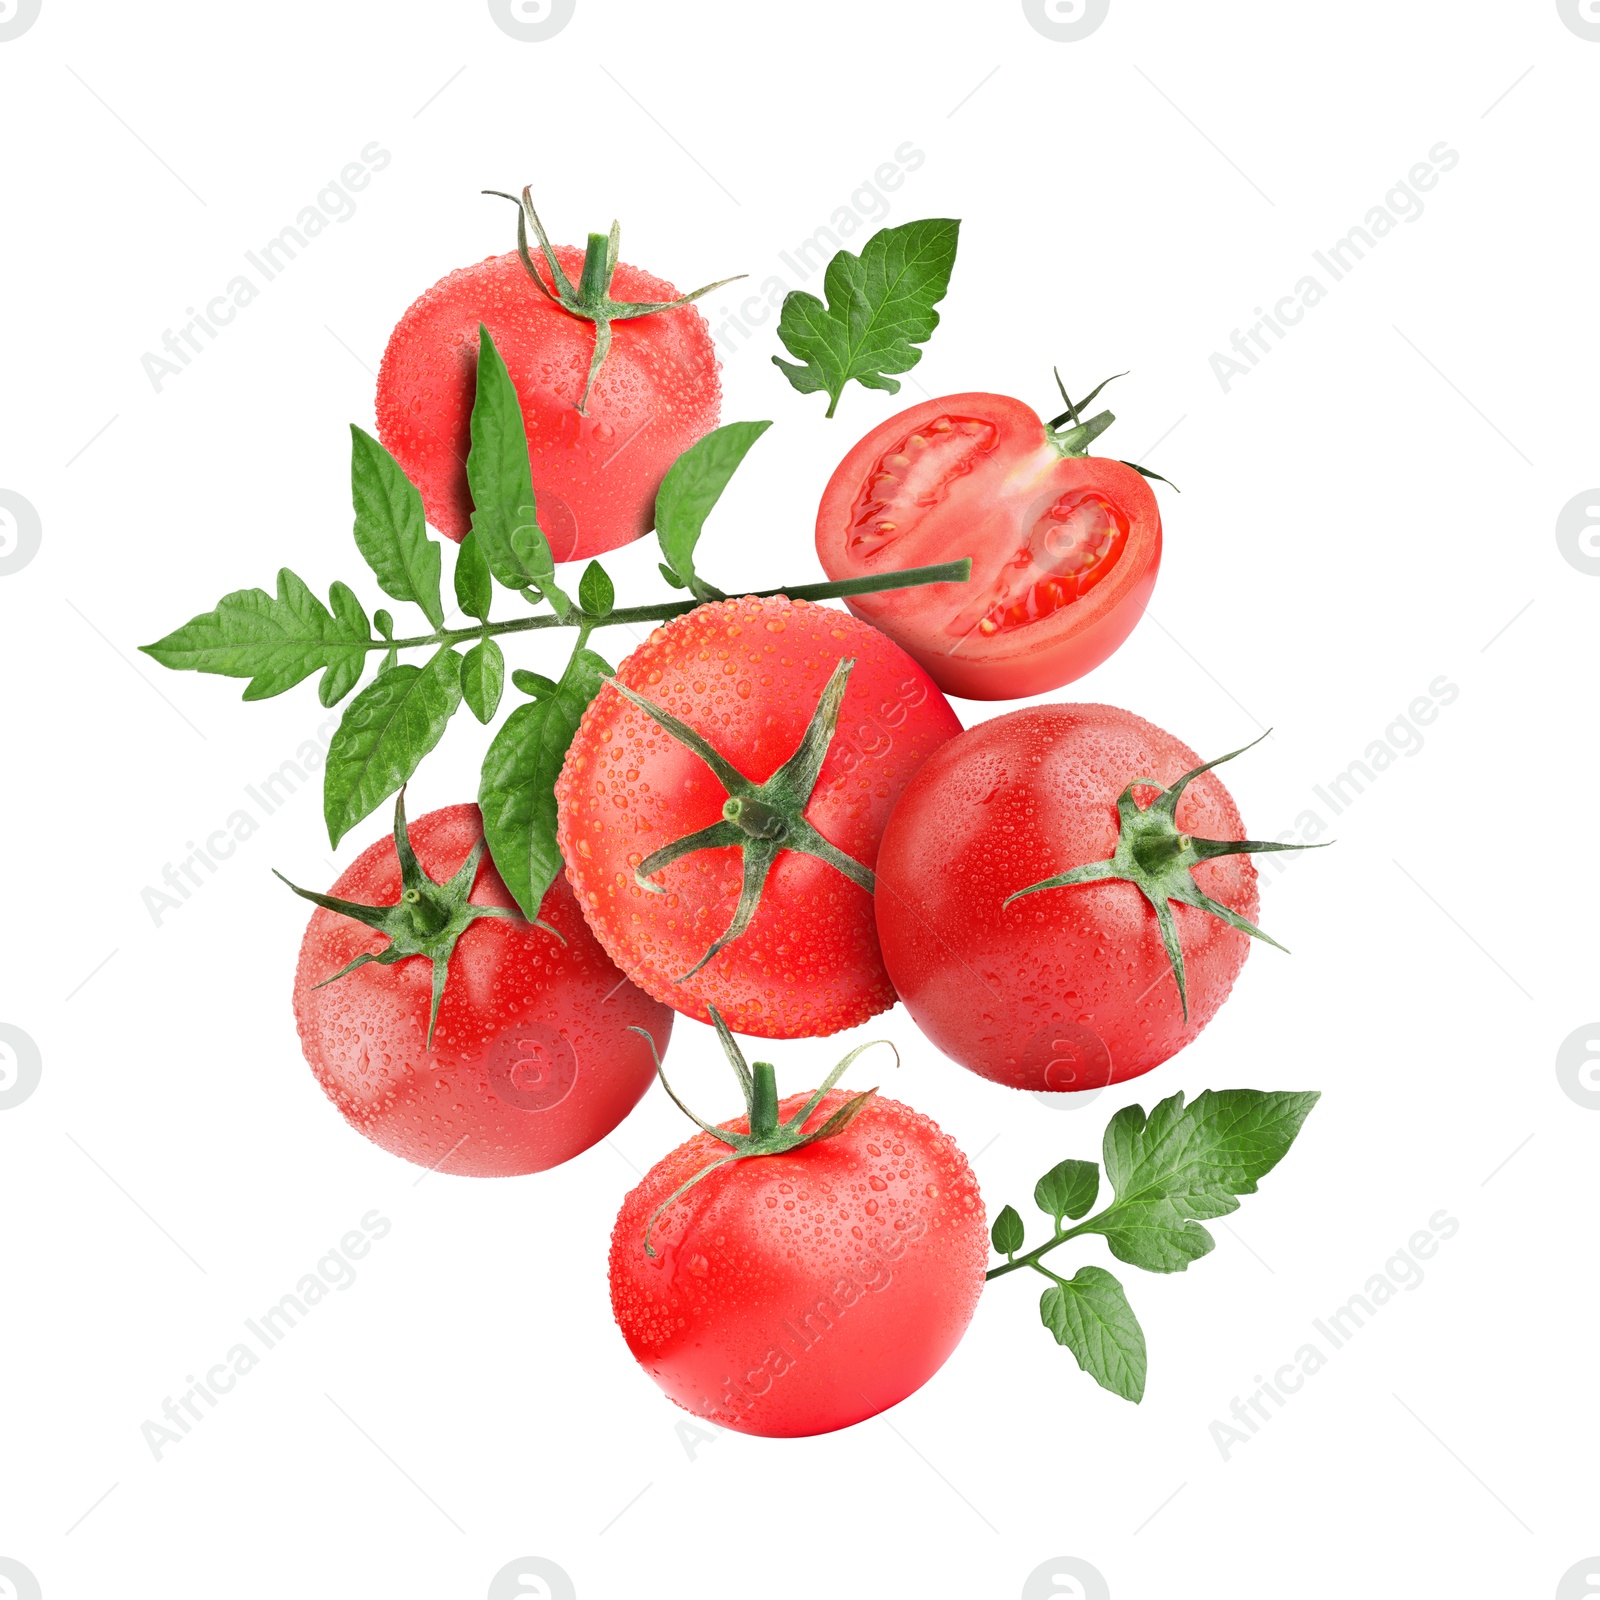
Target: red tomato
1064 548
747 675
595 477
1067 988
532 1059
799 1293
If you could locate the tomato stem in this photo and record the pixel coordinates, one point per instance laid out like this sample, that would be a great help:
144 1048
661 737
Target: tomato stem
758 819
427 919
767 1136
1158 859
664 611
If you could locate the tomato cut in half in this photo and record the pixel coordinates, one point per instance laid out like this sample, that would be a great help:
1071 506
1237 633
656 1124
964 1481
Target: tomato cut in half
1064 546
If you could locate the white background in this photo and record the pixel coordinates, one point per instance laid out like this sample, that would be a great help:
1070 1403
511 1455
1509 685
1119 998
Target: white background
1373 507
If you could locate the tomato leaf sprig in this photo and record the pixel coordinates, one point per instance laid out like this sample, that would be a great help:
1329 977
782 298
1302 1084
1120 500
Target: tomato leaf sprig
880 307
277 640
692 486
1169 1171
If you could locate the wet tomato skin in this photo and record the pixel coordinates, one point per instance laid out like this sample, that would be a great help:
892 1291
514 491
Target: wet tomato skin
532 1060
746 674
1070 988
801 1293
595 477
1065 550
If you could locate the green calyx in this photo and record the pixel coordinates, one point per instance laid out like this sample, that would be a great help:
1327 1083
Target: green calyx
426 920
1076 439
767 1136
759 819
591 296
1159 860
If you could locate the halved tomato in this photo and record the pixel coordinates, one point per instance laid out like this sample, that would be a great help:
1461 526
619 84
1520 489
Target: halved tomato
1064 545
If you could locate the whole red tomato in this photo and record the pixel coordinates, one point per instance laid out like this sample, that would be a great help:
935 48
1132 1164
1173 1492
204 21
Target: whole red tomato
596 470
747 680
1064 546
532 1057
1073 986
802 1292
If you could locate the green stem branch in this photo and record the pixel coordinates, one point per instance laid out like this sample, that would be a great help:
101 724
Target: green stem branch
1032 1257
910 578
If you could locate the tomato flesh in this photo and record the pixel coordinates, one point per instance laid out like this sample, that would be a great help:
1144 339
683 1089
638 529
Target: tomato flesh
1065 549
915 474
1075 544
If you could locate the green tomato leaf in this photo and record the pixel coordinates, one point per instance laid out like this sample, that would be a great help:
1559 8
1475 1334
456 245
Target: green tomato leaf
273 640
483 677
474 590
692 486
1184 1163
341 676
505 514
390 531
1068 1190
517 789
1090 1315
1007 1232
596 592
387 730
384 623
529 546
534 683
880 307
